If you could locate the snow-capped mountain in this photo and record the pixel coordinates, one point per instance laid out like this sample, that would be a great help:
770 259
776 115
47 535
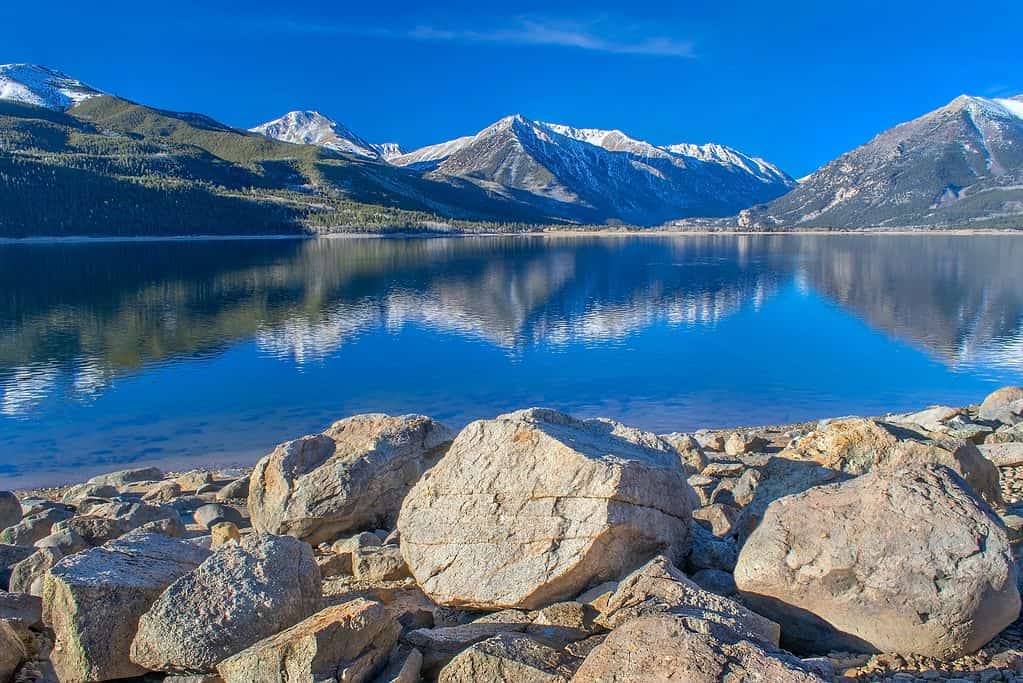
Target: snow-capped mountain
388 150
313 128
599 175
42 87
961 164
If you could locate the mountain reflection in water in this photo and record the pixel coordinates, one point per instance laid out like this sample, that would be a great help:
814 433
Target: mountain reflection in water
123 352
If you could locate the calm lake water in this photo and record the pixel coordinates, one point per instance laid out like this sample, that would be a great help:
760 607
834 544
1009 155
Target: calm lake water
198 353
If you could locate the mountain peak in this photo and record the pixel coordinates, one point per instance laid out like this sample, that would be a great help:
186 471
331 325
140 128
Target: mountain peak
43 87
310 127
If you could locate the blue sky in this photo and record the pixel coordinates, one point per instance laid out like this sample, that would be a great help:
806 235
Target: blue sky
797 83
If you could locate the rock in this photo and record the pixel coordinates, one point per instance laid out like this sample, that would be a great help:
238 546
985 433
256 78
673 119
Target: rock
11 555
710 552
33 527
134 515
720 519
996 401
1003 454
170 526
224 532
856 446
712 441
67 541
29 575
1006 434
208 489
10 509
660 587
348 642
403 666
720 468
564 622
93 601
236 490
510 657
740 444
352 476
440 645
534 506
242 593
214 513
597 596
383 563
21 610
130 476
933 419
94 530
668 647
12 653
76 494
689 449
716 581
905 561
1009 415
346 548
745 489
194 480
164 492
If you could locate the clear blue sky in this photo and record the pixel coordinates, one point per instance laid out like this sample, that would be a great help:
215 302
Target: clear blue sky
797 82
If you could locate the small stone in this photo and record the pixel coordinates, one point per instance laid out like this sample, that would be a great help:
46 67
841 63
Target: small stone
741 444
382 563
210 514
224 532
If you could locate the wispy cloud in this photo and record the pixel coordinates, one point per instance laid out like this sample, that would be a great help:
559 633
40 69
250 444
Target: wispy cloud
595 35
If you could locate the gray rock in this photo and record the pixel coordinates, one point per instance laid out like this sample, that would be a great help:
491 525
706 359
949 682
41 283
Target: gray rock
29 575
564 622
236 490
130 476
194 480
381 563
349 642
10 509
67 541
932 419
403 666
440 645
719 518
168 526
134 515
94 530
34 527
22 610
93 601
906 561
689 449
534 506
12 652
11 555
716 581
711 552
1003 454
994 404
660 587
672 647
76 494
163 492
243 593
214 513
510 657
353 476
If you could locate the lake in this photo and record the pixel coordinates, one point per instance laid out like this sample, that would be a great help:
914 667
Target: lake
194 353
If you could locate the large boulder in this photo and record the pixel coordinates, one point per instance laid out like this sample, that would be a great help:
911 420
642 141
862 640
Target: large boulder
857 445
123 478
348 642
534 506
29 575
243 593
670 647
993 406
440 645
134 515
11 555
906 561
93 601
35 526
10 509
352 476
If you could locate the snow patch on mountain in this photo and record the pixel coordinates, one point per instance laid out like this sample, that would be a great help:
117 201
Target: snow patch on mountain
1013 106
42 87
313 128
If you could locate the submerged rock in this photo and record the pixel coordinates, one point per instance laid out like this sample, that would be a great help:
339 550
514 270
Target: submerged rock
352 476
906 561
242 593
534 506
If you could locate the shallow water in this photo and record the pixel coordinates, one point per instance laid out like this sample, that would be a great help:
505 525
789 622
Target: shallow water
199 353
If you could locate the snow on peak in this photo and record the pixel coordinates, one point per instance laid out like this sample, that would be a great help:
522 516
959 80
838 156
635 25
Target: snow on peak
388 150
1012 105
42 87
313 128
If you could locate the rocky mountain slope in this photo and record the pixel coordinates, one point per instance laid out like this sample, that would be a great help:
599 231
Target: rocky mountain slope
599 175
313 128
42 87
960 165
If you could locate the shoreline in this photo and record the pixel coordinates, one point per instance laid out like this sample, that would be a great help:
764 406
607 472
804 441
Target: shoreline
427 234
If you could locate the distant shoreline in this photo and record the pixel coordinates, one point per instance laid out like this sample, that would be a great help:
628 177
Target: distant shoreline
610 232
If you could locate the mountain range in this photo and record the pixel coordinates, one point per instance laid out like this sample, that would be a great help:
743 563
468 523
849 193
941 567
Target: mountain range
76 160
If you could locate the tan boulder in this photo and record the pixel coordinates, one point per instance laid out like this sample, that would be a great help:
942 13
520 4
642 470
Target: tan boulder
510 657
997 400
349 642
534 506
906 561
669 648
857 445
352 476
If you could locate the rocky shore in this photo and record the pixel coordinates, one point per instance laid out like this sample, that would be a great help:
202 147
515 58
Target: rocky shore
540 548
